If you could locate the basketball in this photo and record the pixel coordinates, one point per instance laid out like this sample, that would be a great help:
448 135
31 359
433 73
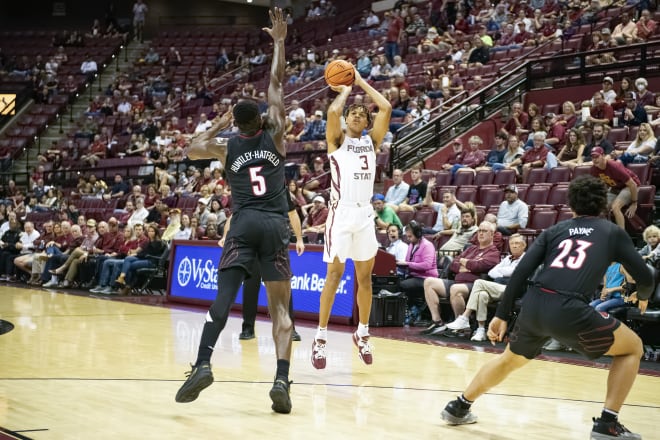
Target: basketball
339 73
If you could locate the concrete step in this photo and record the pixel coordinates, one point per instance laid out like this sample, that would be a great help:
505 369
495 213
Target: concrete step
122 63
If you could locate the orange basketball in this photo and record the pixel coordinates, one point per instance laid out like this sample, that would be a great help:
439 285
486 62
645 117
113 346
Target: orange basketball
339 73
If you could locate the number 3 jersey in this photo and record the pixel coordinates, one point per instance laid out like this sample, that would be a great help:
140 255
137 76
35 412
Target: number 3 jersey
255 171
353 170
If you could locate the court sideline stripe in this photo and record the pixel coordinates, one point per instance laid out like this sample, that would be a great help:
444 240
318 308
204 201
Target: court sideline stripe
378 387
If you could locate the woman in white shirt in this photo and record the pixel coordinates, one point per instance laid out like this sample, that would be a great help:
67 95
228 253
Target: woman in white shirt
641 148
185 231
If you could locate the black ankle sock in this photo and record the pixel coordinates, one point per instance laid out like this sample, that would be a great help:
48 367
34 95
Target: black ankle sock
608 415
464 402
282 369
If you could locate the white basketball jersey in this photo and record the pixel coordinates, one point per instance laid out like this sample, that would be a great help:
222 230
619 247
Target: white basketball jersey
353 170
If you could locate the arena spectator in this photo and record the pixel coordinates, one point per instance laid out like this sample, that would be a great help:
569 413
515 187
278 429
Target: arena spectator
385 215
622 183
448 212
634 114
600 111
645 26
419 264
571 155
512 213
416 191
613 287
398 191
518 120
466 161
640 148
462 235
467 267
643 95
535 157
485 292
315 215
626 31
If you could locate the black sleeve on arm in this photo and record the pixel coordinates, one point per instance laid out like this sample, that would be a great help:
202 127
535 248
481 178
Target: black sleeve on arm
517 284
292 206
635 265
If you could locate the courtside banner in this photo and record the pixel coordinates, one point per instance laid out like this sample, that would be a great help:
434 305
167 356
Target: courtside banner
195 276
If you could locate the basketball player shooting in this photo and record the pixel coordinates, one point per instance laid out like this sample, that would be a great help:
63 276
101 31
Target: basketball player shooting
350 230
259 224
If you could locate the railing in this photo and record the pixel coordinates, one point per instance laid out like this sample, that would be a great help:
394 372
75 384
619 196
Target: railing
433 110
462 116
643 58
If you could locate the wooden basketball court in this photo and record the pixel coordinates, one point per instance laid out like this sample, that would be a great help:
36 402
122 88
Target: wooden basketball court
78 367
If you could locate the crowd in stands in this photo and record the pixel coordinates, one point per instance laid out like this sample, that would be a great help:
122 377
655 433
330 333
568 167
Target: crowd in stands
150 112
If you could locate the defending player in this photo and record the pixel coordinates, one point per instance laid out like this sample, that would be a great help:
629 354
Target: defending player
254 164
350 231
575 254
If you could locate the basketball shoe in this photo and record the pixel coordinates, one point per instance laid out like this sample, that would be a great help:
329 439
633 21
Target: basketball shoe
318 354
199 378
611 430
364 348
279 394
455 414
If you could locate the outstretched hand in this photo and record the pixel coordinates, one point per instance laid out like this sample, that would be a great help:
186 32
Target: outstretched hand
277 18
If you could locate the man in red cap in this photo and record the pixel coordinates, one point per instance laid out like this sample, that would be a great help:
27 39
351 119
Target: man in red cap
320 179
622 184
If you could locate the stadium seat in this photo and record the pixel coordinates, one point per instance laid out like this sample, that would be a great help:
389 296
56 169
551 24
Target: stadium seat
558 196
490 195
467 193
405 217
559 174
564 213
425 217
463 178
642 170
581 170
537 175
484 177
617 135
442 178
540 219
537 194
505 177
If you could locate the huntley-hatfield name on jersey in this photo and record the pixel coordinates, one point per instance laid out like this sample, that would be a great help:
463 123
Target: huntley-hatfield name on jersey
254 155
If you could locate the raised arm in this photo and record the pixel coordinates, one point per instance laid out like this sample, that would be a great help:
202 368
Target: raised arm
275 90
334 135
382 120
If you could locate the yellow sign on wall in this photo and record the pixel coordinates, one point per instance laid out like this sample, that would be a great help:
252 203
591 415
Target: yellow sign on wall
7 104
